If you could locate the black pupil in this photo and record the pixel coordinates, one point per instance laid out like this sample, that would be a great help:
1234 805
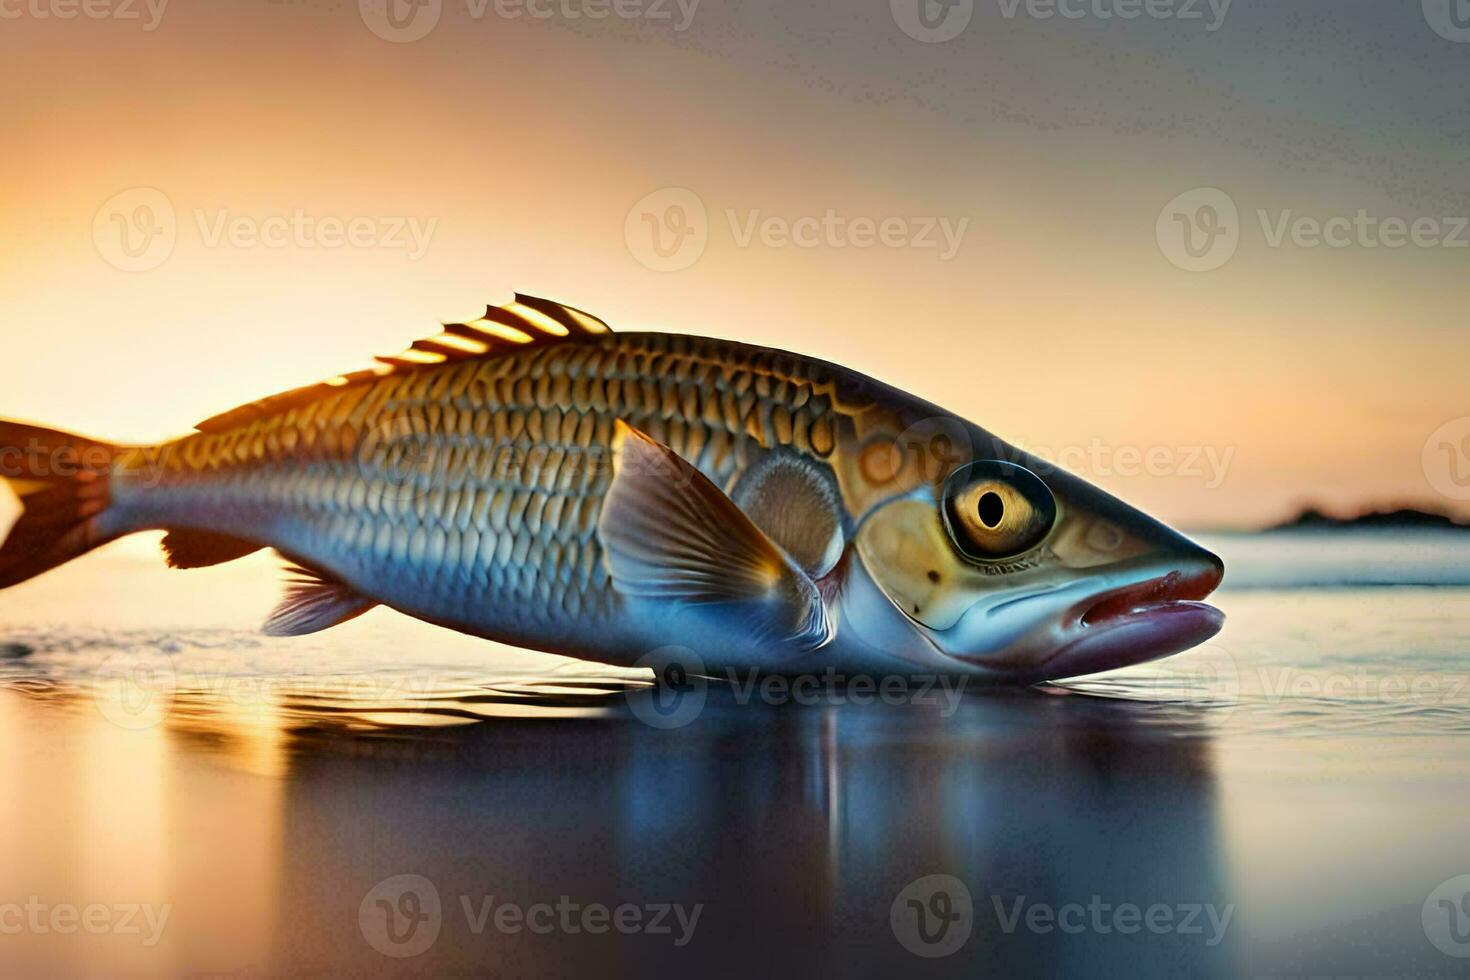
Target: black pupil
992 509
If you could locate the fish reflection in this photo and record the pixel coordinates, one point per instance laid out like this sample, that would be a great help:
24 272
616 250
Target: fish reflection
792 826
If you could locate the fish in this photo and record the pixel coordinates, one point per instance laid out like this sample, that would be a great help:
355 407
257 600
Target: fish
533 477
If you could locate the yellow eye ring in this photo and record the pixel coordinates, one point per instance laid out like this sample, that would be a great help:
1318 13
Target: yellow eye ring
994 510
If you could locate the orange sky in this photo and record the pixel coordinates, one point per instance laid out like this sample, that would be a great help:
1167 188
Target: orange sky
517 147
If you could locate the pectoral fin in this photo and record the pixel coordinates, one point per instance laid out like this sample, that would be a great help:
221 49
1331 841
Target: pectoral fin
669 533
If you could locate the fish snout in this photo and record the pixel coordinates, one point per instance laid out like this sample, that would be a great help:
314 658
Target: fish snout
1158 612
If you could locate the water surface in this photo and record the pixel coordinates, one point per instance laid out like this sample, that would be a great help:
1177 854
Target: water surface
1304 779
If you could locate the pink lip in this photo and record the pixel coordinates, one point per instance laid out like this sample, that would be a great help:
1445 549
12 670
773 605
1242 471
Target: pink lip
1145 635
1141 622
1177 586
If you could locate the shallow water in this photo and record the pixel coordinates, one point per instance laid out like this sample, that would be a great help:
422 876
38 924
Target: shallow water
1283 801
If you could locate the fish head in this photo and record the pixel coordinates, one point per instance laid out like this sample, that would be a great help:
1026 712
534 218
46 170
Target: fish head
1007 566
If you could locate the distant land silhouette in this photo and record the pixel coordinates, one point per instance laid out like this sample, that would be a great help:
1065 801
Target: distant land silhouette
1399 519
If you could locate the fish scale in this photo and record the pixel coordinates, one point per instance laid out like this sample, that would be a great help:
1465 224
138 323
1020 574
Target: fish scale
485 476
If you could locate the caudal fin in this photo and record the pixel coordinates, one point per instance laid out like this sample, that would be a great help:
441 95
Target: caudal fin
63 483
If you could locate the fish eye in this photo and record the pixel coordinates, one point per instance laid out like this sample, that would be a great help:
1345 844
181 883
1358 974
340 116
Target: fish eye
995 510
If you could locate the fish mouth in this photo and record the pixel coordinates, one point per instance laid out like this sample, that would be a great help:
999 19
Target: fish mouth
1176 588
1157 614
1141 622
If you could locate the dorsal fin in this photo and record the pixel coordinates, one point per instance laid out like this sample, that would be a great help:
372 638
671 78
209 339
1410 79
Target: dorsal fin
526 322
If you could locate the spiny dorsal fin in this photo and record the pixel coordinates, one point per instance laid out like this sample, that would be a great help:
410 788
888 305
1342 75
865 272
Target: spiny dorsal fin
526 322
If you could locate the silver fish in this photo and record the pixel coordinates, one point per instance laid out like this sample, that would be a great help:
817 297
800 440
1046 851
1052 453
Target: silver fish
534 478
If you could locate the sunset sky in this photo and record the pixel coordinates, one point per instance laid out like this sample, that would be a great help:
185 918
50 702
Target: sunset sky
1056 314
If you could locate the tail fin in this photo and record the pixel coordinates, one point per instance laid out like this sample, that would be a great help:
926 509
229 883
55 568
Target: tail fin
63 482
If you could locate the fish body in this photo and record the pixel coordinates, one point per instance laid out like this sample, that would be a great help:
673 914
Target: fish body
534 478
